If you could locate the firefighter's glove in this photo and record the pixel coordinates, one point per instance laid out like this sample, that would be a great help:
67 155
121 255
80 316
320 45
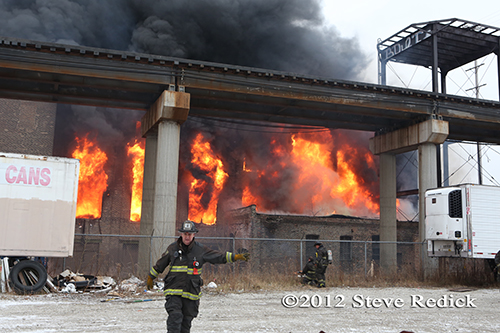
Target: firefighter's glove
149 283
242 256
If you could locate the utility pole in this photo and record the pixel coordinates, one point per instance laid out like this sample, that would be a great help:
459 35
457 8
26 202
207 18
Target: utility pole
476 87
476 76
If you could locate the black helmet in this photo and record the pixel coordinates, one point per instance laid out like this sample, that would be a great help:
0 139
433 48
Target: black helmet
317 243
188 226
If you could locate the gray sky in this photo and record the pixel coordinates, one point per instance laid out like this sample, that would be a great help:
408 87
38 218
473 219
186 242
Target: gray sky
370 20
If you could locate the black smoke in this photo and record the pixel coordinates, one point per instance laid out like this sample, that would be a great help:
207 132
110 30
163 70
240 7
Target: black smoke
288 35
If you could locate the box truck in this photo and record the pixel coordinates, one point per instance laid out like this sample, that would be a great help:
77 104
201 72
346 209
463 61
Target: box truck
38 196
464 221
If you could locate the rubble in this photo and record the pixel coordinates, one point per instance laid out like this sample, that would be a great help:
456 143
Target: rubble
132 285
70 282
211 284
70 288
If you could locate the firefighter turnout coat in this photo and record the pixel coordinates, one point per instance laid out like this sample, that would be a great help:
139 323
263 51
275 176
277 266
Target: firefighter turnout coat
186 262
321 257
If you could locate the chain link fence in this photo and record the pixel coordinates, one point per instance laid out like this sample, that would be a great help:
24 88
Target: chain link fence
117 255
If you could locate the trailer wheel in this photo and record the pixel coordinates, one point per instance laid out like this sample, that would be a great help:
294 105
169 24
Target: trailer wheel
27 277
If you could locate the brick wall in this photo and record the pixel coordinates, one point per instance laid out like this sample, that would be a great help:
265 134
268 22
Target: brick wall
27 127
348 255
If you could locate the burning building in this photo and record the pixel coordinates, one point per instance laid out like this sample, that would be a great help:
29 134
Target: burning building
279 169
289 170
283 172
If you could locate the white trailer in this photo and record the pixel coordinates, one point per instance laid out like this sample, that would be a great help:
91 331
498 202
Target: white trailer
463 221
38 196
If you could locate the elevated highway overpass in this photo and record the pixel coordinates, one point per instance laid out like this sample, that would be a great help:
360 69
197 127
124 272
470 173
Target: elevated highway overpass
170 90
40 71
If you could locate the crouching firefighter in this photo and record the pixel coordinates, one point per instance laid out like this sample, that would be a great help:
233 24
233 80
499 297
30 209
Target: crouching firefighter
183 282
309 272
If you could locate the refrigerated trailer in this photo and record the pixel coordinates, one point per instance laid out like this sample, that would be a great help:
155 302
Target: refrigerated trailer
463 221
38 197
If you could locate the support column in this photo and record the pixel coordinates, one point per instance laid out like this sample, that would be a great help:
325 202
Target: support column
382 68
388 225
498 68
148 199
435 60
444 74
161 124
427 179
167 169
423 136
446 167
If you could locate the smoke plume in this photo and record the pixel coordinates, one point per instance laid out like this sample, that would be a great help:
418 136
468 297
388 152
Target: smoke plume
288 35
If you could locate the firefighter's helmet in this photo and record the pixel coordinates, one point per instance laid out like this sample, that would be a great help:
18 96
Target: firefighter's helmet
188 226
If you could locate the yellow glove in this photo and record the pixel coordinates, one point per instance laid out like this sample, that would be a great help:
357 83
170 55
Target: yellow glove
149 283
242 256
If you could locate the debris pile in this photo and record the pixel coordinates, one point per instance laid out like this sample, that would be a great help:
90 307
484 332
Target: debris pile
132 285
30 277
71 282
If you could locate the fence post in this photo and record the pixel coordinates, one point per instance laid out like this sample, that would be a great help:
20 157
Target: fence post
300 255
365 258
234 250
151 249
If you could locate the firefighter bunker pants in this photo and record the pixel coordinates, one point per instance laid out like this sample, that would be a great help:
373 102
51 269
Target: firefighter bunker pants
181 312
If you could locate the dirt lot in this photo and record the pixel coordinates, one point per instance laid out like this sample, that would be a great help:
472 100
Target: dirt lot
306 310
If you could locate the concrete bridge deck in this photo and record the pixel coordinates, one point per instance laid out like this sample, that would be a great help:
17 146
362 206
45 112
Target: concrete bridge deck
48 72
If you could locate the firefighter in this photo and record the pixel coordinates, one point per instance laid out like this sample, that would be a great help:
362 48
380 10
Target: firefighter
182 288
321 262
309 272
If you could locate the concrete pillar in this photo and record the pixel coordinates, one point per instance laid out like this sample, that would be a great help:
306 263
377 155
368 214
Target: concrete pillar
388 226
424 136
427 179
161 127
165 199
148 195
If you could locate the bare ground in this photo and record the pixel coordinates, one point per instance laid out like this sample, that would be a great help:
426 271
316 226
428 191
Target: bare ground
307 310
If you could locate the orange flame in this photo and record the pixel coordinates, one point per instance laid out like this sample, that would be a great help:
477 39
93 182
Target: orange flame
136 152
247 198
92 179
204 192
325 180
349 187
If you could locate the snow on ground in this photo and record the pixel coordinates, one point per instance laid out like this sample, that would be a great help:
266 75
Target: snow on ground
299 310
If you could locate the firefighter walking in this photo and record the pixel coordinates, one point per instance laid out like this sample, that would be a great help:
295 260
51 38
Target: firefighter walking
182 288
321 262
